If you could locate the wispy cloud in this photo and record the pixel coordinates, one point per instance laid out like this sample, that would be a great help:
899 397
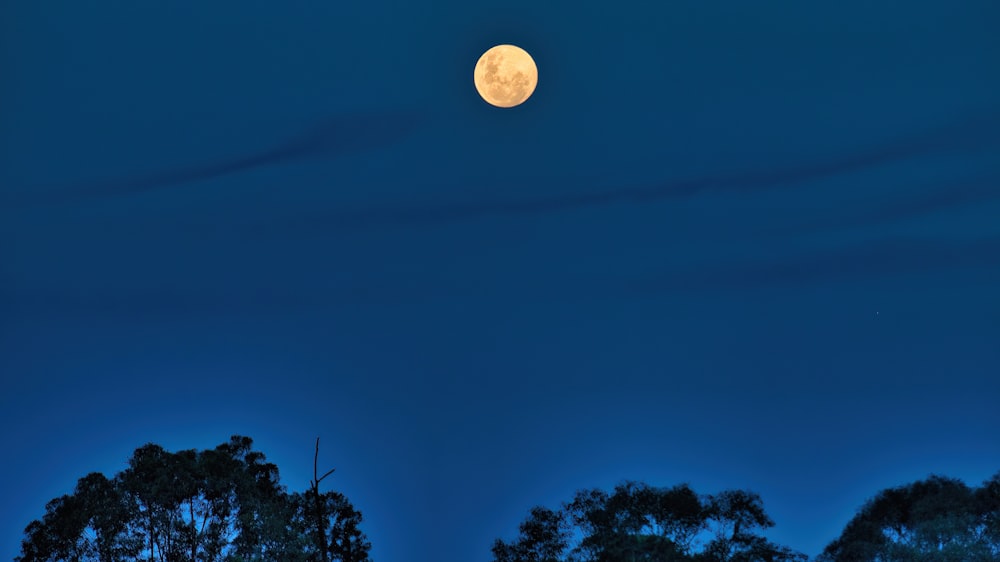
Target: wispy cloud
972 134
331 138
872 259
945 196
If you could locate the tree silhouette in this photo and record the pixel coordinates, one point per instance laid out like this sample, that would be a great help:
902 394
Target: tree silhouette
735 516
543 536
218 505
640 523
939 519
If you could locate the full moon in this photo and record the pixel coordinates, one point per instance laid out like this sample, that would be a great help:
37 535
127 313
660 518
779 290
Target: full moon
505 76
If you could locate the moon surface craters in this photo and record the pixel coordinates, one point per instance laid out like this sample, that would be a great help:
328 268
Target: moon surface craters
506 76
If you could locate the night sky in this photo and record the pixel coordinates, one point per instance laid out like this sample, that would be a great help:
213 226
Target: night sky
735 244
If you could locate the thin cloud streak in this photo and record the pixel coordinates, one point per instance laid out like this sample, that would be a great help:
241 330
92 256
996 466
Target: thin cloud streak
331 138
969 135
955 194
882 259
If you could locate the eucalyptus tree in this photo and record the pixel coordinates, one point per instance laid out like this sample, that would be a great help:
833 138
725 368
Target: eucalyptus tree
736 518
938 518
332 522
218 505
987 498
639 523
635 522
544 535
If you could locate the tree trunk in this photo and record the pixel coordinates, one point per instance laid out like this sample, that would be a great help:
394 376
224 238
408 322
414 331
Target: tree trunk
324 555
194 534
324 552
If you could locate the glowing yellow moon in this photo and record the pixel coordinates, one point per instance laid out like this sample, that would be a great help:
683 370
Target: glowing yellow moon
505 76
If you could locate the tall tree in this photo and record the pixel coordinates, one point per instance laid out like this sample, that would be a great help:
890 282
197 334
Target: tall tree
737 517
987 498
106 513
58 535
318 509
219 505
635 522
640 523
938 518
333 521
543 538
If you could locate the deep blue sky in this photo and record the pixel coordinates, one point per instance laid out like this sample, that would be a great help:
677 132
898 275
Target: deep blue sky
736 244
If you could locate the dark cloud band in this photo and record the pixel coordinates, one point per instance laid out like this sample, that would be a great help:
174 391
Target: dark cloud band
969 135
330 138
872 259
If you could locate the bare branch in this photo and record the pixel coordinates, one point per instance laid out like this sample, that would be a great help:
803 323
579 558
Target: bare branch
315 458
316 480
329 472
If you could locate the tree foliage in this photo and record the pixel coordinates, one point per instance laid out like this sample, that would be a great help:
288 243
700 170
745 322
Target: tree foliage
936 519
543 536
640 523
218 505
